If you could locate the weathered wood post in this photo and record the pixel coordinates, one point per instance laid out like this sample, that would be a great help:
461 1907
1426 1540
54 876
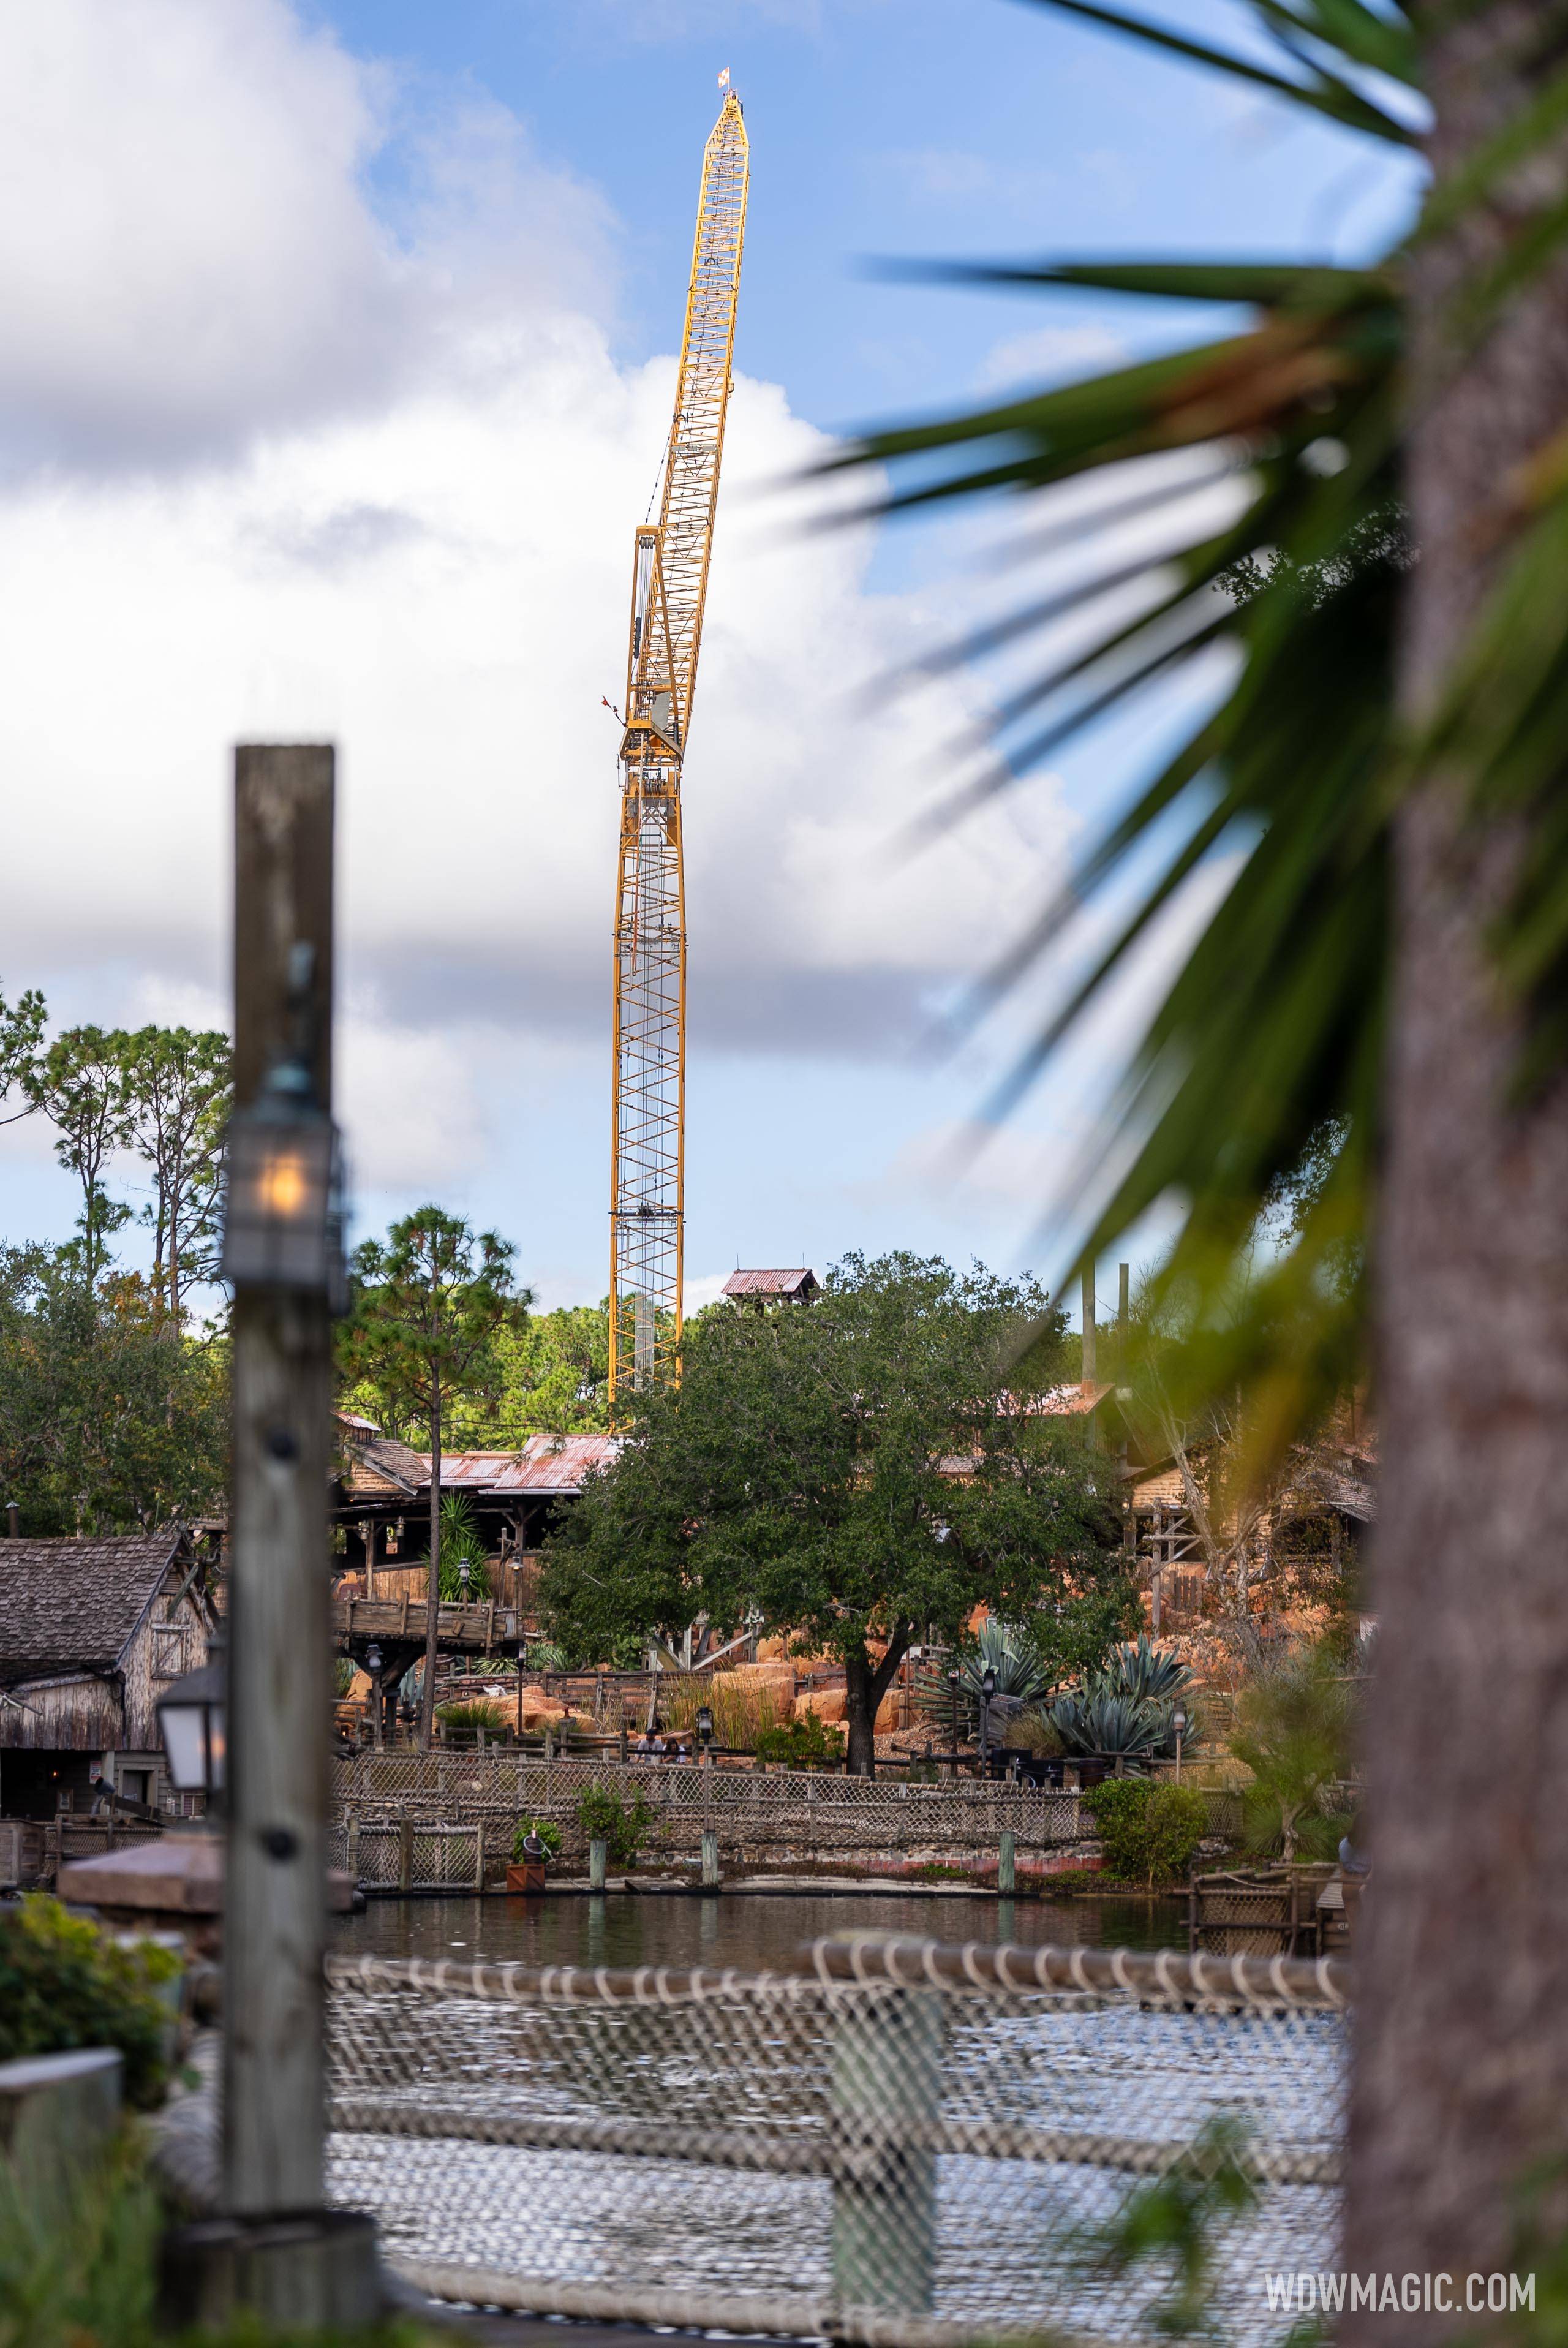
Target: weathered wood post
279 1689
710 1858
280 1236
1006 1861
885 2097
598 1858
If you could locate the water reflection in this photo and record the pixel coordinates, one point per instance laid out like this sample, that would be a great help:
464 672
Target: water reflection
756 1931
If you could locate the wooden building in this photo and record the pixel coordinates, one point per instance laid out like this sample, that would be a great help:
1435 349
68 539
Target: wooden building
381 1498
91 1634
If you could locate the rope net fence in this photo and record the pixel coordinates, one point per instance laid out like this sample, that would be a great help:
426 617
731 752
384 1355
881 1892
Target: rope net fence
899 2142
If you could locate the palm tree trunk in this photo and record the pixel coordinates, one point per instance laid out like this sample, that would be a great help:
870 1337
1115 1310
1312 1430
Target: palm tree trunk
433 1590
1462 2074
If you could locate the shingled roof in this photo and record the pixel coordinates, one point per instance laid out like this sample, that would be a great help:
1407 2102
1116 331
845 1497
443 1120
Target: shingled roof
73 1605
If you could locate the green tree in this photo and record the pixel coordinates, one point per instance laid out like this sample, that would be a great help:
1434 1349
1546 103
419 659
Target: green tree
426 1309
1389 963
80 1082
178 1092
21 1032
807 1466
1294 1725
110 1420
553 1373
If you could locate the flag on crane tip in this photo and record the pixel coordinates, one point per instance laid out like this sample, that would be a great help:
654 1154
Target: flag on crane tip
724 79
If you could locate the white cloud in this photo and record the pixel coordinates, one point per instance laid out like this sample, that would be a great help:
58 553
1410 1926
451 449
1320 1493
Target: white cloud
186 249
1050 354
705 1289
416 539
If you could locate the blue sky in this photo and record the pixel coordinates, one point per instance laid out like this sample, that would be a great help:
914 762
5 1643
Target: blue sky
348 430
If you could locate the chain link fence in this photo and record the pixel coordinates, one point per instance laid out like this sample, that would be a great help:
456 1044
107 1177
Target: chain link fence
900 2142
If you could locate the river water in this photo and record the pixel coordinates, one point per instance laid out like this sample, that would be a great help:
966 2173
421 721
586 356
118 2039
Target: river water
756 1930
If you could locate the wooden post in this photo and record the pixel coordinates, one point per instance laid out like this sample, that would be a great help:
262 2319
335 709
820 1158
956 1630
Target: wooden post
598 1855
710 1858
1007 1862
280 1645
884 2095
405 1853
479 1855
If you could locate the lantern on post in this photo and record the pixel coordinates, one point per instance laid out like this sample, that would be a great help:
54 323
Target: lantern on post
1178 1723
987 1690
192 1717
372 1665
283 1212
704 1726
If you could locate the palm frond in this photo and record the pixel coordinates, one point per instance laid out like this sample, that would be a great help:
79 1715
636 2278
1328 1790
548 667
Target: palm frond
1300 33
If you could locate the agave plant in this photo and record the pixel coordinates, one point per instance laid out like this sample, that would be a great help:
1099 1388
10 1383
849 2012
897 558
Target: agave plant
1098 1720
1130 1708
1146 1672
1000 1647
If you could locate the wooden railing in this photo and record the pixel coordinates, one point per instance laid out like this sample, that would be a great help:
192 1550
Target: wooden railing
475 1626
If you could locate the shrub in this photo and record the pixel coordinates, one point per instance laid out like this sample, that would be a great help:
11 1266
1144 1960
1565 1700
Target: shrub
463 1543
475 1712
622 1827
64 1984
547 1831
1150 1832
804 1743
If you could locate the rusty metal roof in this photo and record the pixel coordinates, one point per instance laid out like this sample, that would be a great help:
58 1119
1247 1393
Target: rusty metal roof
546 1464
798 1281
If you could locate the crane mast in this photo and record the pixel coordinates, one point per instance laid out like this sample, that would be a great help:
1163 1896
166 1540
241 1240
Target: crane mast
669 587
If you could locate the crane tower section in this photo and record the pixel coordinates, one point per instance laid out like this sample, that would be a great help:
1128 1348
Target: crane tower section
669 588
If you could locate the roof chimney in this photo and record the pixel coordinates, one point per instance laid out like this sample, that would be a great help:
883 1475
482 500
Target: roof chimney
14 1519
1087 1372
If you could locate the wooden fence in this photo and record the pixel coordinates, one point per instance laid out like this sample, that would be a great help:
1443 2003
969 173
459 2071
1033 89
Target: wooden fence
788 1815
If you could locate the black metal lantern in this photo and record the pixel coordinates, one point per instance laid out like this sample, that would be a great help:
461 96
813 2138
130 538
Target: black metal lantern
987 1690
705 1723
193 1723
283 1212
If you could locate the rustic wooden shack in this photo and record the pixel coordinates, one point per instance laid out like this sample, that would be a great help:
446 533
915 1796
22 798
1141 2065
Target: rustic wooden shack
91 1634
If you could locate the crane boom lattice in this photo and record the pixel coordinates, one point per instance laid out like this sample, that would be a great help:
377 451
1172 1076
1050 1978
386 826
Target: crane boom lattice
669 589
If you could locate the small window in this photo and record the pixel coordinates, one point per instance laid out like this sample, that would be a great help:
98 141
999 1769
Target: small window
169 1645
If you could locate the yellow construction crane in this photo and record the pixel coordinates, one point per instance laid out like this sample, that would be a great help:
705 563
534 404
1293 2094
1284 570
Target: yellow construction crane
669 585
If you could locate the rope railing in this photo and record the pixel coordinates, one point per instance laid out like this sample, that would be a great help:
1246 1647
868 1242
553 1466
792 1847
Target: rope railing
895 2131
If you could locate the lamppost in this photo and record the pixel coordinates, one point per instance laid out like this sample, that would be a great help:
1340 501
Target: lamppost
987 1690
705 1728
462 1581
373 1663
1178 1723
953 1680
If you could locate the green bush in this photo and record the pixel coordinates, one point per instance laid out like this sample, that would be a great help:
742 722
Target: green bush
803 1743
1150 1832
547 1831
63 1984
622 1827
